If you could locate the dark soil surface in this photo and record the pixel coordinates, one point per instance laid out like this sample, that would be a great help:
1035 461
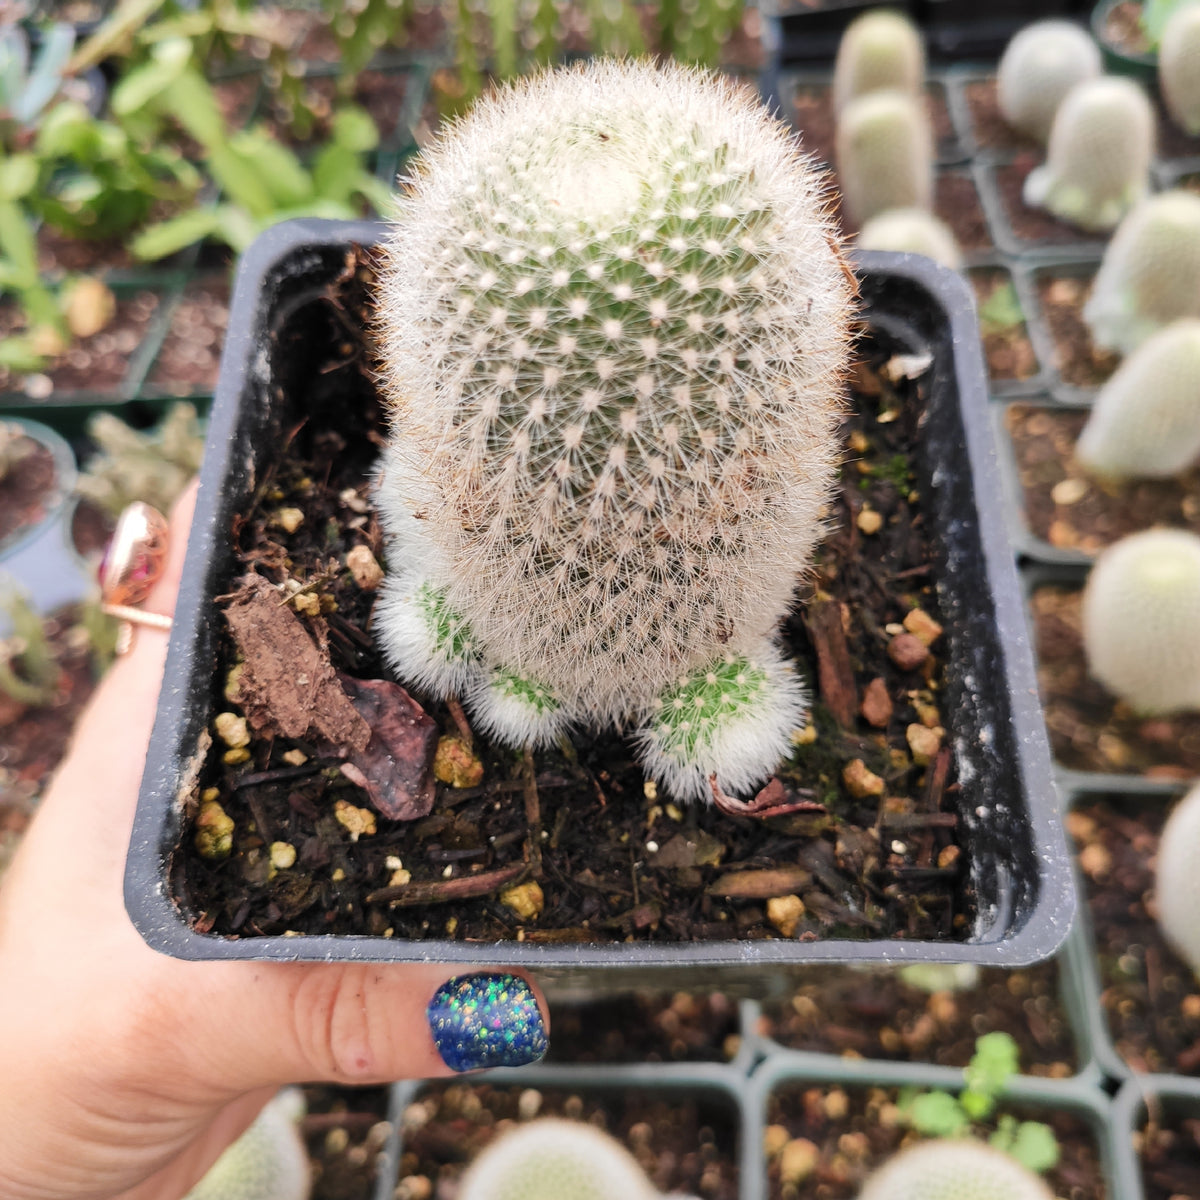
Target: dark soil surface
646 1027
1034 226
991 130
29 484
612 862
851 1132
345 1130
875 1014
1078 359
685 1142
812 114
1150 996
1169 1148
1006 345
1069 509
1090 730
956 201
190 357
66 252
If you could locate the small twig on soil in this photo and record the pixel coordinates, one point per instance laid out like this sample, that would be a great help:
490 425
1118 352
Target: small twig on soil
460 720
533 815
903 822
261 821
278 774
823 619
936 785
439 891
772 801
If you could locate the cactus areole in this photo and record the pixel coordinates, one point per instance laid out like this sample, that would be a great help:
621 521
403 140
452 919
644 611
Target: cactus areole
614 318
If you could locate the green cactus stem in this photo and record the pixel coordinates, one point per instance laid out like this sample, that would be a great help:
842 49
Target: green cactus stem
1179 68
912 231
1177 879
954 1169
880 51
1039 66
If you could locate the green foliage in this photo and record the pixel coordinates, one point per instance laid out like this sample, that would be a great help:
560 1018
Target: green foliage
26 86
28 670
942 1115
1001 311
1155 15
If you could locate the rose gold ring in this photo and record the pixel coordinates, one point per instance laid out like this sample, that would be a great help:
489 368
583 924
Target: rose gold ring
133 564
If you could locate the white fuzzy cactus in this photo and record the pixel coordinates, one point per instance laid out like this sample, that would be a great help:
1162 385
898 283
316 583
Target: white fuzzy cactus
884 155
1177 879
1038 68
880 51
1145 422
268 1162
1141 630
1150 274
1098 160
1179 67
614 319
550 1159
912 231
954 1169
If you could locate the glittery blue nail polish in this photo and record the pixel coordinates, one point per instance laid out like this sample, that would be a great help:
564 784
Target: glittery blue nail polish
486 1021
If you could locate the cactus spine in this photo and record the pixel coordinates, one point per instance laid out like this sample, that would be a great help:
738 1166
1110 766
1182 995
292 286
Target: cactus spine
880 51
884 155
913 231
268 1162
1177 879
1140 630
1038 68
1145 422
614 320
948 1169
1150 274
1179 67
1098 160
549 1159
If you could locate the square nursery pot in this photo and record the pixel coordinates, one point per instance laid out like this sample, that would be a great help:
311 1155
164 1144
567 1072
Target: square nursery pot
1014 877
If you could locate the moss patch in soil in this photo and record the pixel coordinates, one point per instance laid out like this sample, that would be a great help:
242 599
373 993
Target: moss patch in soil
686 1142
1168 1147
345 1130
1078 360
991 130
612 861
1006 344
1071 510
1090 730
875 1014
1150 997
851 1132
646 1027
189 359
1034 226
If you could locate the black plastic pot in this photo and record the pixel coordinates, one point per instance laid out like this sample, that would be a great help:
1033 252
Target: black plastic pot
1018 866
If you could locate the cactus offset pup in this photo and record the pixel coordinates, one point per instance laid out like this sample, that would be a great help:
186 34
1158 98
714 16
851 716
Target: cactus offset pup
614 320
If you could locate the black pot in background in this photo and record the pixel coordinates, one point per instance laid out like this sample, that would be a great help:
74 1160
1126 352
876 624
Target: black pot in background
1018 863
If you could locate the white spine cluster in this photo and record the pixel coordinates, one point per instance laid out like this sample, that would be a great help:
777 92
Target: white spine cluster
1150 274
614 320
1141 630
884 152
1177 879
550 1159
1039 66
1145 422
1179 67
912 231
1098 160
268 1162
880 51
949 1169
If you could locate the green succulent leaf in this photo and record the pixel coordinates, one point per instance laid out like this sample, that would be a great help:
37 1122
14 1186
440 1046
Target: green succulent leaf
1031 1143
18 176
354 129
46 77
1001 311
938 1114
168 237
147 82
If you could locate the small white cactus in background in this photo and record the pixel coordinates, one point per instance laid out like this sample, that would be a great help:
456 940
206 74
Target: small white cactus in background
550 1159
268 1162
1179 67
1145 422
954 1169
1177 879
1039 66
1098 160
1150 274
1141 632
912 231
884 155
880 51
614 320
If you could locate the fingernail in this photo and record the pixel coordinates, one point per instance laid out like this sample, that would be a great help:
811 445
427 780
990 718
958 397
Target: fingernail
486 1021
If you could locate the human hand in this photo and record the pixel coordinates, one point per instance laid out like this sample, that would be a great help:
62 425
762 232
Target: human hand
126 1073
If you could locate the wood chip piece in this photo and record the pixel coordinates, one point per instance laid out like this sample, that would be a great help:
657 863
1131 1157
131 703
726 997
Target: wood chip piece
877 704
760 884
